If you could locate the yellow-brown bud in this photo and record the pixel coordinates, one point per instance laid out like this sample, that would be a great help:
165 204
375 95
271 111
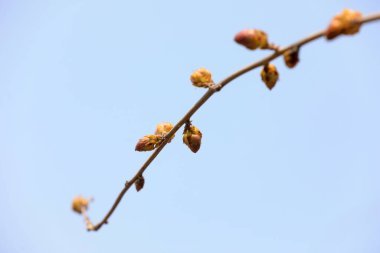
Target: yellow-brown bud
147 143
164 128
201 78
269 75
347 22
80 204
252 39
192 137
291 57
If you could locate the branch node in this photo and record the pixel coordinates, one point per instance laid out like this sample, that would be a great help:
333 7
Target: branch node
215 87
274 47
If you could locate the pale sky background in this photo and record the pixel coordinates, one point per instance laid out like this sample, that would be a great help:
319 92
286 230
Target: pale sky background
293 170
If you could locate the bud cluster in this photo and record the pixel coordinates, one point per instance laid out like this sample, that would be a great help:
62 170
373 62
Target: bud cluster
163 128
152 141
347 22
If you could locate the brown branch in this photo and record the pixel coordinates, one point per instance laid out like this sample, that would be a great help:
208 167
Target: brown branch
211 91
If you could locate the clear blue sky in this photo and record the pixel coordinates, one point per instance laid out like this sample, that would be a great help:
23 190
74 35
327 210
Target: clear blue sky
291 170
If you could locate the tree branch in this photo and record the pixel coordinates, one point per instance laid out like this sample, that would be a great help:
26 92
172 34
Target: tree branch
211 91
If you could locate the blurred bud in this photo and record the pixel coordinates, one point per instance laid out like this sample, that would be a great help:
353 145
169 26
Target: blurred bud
139 183
80 204
192 137
269 75
347 22
164 128
252 39
201 78
147 143
291 57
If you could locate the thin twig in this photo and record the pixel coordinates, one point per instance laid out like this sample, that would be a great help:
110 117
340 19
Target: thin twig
87 220
211 91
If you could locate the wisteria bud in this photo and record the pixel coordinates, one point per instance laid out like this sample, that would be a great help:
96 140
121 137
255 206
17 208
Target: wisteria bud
201 78
147 143
139 183
291 57
164 128
80 204
192 137
347 22
269 75
252 39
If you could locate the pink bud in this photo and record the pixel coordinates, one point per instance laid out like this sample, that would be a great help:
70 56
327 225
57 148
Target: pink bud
252 39
147 143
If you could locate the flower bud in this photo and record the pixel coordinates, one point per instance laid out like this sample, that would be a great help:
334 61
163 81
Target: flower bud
164 128
147 143
201 78
291 57
192 138
80 204
252 39
347 22
269 75
139 183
